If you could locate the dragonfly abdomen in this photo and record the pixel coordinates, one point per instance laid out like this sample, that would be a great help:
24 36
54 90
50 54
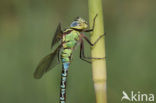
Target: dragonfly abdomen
65 67
69 41
66 59
66 55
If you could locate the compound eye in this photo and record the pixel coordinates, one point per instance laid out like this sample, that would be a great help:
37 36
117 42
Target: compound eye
74 24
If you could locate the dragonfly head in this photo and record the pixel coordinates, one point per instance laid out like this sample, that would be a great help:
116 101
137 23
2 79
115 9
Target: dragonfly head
79 24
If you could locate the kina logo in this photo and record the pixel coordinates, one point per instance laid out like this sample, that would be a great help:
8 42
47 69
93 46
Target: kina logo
138 96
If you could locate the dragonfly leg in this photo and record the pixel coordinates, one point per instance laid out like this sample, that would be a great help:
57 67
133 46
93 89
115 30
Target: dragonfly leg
82 54
92 44
89 30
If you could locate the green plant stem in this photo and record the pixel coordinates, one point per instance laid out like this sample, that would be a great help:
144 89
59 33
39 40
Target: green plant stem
98 66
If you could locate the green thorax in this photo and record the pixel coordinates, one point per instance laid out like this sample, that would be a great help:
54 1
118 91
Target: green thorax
71 38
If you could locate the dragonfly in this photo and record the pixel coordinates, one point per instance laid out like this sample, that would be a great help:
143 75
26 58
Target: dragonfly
67 40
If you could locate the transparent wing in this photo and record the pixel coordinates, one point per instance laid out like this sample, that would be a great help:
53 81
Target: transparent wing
57 35
47 63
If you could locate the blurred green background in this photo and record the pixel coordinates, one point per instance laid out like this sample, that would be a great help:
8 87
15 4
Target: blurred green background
26 30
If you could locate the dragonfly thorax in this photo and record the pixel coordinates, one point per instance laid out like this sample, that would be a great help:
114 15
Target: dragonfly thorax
69 41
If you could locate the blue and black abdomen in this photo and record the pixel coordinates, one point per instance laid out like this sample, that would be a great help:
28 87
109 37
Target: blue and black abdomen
65 67
69 41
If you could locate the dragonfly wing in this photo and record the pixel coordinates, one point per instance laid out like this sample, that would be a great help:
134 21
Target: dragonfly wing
47 63
57 35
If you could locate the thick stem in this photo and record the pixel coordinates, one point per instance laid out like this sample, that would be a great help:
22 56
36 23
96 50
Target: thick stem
98 66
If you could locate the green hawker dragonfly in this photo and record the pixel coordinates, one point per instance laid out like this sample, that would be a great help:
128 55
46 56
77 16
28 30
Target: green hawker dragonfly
68 39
